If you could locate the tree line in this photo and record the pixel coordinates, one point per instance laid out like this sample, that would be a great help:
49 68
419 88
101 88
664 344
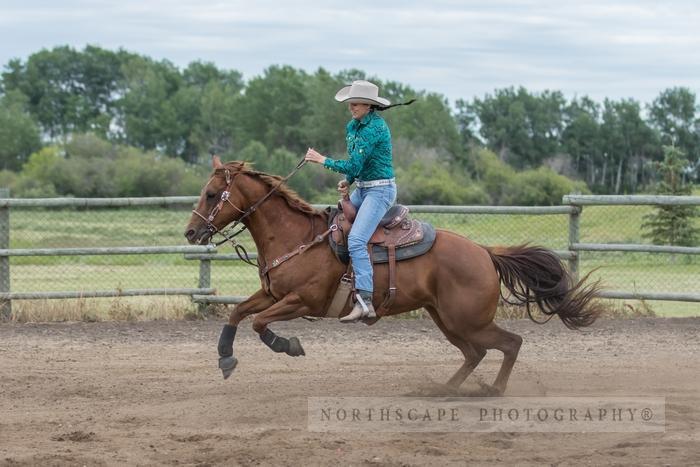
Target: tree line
94 111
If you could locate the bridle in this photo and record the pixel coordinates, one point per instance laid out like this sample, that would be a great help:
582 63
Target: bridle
230 236
230 233
225 198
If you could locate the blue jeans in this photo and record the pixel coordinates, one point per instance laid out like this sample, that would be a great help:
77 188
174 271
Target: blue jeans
371 203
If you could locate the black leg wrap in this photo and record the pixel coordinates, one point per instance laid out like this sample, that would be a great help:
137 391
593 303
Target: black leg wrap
273 341
226 340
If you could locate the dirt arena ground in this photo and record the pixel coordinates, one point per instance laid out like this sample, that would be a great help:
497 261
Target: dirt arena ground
149 393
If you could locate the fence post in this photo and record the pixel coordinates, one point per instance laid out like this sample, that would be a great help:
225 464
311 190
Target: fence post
5 305
574 237
204 278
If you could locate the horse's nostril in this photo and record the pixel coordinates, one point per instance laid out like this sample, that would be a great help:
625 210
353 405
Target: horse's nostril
189 234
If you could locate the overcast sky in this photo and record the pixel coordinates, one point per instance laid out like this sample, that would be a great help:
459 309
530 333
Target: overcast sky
461 49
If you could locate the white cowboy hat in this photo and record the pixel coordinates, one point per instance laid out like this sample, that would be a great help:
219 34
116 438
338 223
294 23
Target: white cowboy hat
361 92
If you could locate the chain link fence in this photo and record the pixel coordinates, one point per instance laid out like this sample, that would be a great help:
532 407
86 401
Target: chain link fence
64 227
637 271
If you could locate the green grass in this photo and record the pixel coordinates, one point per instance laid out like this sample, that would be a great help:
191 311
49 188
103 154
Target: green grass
238 279
649 273
42 228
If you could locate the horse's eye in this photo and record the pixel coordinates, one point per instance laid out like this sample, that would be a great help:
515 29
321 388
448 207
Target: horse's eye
211 195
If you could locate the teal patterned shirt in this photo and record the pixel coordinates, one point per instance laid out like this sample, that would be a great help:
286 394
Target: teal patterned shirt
369 150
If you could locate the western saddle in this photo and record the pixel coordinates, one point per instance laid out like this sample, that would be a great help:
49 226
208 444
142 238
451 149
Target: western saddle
395 230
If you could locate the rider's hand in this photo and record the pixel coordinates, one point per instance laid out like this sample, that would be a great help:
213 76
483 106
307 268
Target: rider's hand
343 187
314 156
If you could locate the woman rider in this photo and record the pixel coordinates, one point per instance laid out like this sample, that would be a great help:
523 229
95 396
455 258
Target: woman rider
369 164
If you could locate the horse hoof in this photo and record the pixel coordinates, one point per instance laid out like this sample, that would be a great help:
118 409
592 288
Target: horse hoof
295 348
486 390
371 321
227 365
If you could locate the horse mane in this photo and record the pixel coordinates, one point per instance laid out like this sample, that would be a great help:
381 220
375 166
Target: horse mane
292 198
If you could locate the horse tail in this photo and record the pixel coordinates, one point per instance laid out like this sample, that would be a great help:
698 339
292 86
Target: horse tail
537 275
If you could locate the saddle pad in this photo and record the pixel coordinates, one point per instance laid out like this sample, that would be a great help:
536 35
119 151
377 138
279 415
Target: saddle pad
380 254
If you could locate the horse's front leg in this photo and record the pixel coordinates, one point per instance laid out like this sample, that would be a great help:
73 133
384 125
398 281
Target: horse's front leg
254 304
290 307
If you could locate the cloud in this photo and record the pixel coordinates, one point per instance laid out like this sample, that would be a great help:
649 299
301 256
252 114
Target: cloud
460 49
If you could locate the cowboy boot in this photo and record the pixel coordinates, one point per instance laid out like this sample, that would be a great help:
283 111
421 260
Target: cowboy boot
363 309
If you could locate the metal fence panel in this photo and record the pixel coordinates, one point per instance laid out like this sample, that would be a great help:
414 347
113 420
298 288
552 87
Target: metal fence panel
155 223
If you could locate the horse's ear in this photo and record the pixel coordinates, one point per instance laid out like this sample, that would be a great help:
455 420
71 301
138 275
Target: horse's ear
216 162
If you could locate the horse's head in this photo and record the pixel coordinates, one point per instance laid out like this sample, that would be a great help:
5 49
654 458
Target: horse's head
221 202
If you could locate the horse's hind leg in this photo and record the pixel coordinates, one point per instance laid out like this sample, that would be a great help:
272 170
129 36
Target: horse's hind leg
472 354
472 357
493 337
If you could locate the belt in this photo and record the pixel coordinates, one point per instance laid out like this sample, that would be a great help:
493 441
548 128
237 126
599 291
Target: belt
371 183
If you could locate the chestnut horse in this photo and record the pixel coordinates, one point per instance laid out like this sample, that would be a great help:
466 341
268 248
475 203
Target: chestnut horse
457 281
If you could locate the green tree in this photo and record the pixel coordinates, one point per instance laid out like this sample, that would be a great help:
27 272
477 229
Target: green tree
434 183
216 122
69 90
540 187
254 152
206 106
322 125
428 122
505 186
674 113
628 142
35 178
495 175
8 179
582 139
149 117
467 123
88 166
672 225
201 74
523 128
281 162
272 107
19 134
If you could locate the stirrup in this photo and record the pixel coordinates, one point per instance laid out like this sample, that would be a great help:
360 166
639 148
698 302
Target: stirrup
367 309
359 312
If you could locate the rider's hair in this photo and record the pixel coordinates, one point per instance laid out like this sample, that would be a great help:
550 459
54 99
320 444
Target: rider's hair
381 108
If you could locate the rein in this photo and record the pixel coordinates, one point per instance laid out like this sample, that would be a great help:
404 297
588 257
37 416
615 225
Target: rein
225 198
228 236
